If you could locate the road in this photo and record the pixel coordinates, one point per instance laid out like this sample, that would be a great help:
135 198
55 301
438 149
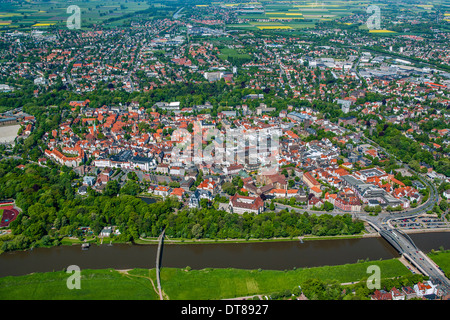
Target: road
402 242
408 249
399 240
158 263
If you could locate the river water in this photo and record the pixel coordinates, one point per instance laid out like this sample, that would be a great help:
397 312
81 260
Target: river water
264 255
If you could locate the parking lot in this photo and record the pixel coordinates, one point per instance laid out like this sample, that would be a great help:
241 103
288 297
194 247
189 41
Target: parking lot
422 222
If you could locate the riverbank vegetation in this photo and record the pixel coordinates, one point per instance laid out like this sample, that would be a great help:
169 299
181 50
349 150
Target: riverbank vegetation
390 137
168 240
190 284
442 259
52 211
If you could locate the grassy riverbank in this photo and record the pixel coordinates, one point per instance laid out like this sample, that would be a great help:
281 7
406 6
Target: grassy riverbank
442 259
250 240
105 284
154 241
179 284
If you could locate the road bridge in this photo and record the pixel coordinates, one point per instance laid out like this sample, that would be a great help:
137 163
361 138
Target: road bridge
406 247
158 262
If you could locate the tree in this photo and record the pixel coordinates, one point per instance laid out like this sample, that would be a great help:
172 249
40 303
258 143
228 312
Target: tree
328 206
35 231
174 184
237 181
291 183
132 176
229 188
143 127
199 178
46 241
316 289
443 205
414 164
131 188
204 203
112 188
197 231
292 201
272 206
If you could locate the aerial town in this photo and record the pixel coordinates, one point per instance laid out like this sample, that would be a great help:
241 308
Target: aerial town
246 110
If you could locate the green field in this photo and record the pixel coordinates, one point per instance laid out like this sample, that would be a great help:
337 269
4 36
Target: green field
95 285
34 14
300 15
227 283
442 259
227 53
180 284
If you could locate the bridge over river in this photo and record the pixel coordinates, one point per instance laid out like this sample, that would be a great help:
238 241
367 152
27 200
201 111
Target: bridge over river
406 247
158 262
404 244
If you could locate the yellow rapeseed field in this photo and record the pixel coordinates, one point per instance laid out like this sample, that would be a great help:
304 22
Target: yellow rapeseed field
43 24
381 31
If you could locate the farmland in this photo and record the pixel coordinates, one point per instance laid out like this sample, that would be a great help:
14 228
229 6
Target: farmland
42 15
280 15
308 14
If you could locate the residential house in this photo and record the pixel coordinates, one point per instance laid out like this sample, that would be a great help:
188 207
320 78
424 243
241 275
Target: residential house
397 294
177 171
409 292
82 190
209 185
424 288
162 168
178 193
89 180
446 194
186 184
381 295
316 192
162 191
194 199
106 232
233 169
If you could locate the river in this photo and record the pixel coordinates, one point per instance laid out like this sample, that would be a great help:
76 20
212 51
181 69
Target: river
264 255
148 200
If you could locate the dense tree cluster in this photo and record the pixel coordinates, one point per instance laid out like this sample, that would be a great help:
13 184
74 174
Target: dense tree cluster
51 210
211 223
407 150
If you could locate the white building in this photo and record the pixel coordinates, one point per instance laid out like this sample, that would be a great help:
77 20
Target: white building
102 163
106 232
177 171
425 288
446 194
